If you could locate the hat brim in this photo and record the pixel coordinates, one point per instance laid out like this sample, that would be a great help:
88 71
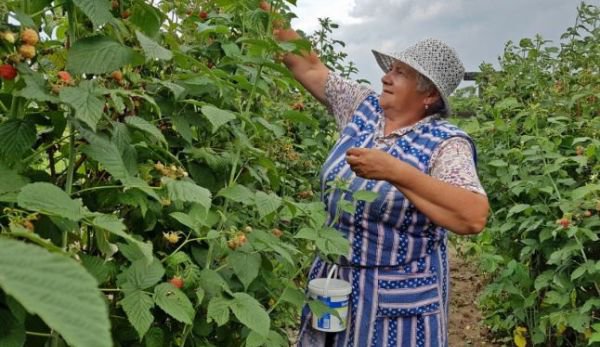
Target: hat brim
385 61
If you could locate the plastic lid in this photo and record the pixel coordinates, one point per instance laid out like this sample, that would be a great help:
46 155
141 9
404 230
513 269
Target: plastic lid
335 287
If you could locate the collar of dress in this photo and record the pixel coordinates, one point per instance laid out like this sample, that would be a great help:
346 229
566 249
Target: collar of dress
400 131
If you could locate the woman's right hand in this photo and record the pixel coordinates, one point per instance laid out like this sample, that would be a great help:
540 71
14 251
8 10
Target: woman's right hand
306 67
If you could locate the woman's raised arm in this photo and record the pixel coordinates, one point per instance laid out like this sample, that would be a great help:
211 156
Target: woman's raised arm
307 68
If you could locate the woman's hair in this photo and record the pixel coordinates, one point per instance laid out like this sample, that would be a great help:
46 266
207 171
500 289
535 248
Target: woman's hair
424 84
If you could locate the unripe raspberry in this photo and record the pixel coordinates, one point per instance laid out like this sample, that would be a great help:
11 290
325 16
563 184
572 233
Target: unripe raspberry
277 232
117 75
8 37
27 51
30 37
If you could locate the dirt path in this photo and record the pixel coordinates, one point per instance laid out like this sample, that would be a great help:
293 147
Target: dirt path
465 325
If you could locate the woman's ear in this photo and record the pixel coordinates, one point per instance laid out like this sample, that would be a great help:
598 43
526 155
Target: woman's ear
431 97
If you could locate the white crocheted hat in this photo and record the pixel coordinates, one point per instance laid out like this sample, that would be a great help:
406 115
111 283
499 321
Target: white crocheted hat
433 59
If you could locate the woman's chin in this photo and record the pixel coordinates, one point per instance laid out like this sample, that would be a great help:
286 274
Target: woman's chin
383 102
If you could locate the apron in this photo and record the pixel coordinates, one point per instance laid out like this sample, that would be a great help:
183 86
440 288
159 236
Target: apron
398 261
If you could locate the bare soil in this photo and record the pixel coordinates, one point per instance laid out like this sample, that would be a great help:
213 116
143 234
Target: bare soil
466 326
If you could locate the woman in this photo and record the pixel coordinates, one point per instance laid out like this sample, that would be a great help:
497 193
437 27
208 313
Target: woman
423 169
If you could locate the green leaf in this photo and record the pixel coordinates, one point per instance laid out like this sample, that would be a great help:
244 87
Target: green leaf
245 266
518 208
590 304
259 237
188 191
24 19
97 267
294 296
332 242
266 203
212 283
578 321
250 313
276 129
216 116
178 92
174 302
114 225
543 280
230 49
142 275
129 251
255 340
98 55
83 99
508 103
318 308
58 289
147 18
273 340
365 195
12 332
307 233
581 192
11 181
108 155
16 137
155 338
35 87
136 182
48 199
238 193
218 310
137 306
498 163
152 49
200 293
97 11
588 266
300 117
145 126
185 219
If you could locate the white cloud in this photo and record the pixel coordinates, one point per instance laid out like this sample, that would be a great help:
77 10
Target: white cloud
477 29
310 11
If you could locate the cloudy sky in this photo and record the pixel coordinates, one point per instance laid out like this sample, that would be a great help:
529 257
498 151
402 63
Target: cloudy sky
477 29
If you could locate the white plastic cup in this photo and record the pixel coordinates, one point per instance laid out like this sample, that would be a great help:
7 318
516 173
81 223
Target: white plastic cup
334 293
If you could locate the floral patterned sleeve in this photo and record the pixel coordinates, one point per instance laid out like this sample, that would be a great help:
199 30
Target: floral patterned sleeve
452 162
343 97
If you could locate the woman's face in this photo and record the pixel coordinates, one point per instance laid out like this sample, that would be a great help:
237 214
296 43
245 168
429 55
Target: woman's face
400 90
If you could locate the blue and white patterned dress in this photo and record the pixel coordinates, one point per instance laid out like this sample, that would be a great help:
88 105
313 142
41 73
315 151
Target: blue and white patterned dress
399 271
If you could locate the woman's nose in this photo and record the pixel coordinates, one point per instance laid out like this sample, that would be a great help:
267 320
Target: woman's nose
385 79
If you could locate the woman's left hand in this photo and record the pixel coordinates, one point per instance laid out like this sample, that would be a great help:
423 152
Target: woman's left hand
371 163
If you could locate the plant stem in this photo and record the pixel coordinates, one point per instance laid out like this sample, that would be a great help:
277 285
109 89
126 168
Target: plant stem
13 107
42 150
70 7
33 237
187 240
253 91
79 192
33 333
70 173
46 9
300 269
186 332
585 259
3 107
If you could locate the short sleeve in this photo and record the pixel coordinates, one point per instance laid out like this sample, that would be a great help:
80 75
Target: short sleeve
452 162
343 96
